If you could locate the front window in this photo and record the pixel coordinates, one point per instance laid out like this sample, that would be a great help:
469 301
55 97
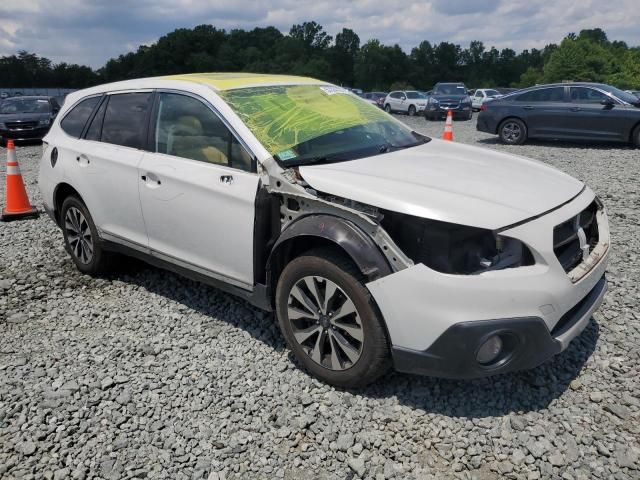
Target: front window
450 89
586 95
621 94
306 124
25 105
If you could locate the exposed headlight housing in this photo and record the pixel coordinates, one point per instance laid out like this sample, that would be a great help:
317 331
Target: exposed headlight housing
454 249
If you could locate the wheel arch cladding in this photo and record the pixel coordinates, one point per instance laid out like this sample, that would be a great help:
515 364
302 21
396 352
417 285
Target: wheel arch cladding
337 231
62 191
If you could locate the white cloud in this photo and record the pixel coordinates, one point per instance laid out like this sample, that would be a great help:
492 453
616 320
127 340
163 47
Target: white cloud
92 31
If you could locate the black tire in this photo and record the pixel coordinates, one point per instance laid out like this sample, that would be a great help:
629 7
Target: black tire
98 260
428 117
387 108
374 358
512 131
635 136
412 110
470 116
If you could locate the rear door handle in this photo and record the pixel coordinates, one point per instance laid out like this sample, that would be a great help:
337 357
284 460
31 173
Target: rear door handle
575 109
226 179
528 107
83 160
150 179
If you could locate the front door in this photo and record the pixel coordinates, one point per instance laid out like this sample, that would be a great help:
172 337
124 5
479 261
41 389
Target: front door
589 119
198 190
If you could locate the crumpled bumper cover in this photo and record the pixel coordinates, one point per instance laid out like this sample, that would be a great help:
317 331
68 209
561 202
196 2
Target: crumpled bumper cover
453 354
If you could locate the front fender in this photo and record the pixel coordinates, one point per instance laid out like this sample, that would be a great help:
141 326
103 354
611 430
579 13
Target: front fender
345 234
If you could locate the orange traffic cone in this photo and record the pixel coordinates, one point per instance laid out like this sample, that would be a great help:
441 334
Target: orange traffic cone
448 127
17 202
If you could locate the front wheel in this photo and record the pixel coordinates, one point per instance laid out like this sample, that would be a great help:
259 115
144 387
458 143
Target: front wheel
512 131
387 108
330 320
411 111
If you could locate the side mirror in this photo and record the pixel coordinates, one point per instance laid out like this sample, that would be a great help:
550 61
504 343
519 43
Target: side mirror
403 97
607 102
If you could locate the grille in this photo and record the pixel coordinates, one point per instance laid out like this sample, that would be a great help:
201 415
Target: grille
21 125
566 237
450 104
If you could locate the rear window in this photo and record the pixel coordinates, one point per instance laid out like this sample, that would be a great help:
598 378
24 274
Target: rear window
125 119
554 94
74 121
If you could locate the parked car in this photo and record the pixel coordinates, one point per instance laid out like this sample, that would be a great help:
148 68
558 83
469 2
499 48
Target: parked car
408 101
376 97
4 95
563 111
634 92
26 118
482 95
447 97
374 245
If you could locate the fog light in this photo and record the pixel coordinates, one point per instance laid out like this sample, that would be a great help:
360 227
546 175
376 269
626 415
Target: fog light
489 350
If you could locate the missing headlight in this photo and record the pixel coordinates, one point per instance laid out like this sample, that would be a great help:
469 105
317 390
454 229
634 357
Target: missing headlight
450 248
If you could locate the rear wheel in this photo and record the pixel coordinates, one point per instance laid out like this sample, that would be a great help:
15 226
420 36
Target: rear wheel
387 108
81 237
412 110
512 131
330 320
635 136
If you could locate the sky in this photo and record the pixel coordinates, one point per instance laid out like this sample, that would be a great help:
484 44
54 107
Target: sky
90 32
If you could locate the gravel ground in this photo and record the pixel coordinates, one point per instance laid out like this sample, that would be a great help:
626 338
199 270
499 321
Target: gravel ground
144 374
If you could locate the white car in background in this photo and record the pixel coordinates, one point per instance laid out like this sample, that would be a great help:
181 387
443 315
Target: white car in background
374 246
483 95
410 102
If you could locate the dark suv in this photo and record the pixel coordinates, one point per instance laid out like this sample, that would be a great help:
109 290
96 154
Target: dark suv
449 96
26 118
563 111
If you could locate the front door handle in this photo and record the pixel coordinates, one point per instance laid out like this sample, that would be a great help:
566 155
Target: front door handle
528 107
226 179
575 109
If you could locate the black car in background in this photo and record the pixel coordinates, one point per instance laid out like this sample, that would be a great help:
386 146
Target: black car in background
564 111
26 118
449 96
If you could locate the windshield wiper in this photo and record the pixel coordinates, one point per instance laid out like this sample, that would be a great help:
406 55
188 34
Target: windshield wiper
315 160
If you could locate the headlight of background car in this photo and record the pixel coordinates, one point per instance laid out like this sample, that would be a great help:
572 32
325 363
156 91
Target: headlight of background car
433 101
455 249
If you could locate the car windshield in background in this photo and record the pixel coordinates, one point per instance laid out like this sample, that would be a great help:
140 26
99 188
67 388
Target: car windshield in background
450 90
621 94
24 105
492 92
306 124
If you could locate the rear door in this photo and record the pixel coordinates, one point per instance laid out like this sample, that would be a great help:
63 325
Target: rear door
590 119
106 165
197 189
544 110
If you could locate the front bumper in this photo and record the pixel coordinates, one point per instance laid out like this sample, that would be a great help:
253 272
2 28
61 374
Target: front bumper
453 354
422 308
441 112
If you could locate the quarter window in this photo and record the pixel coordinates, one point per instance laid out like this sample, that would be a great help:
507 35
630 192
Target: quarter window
73 122
586 95
187 128
95 127
125 119
554 94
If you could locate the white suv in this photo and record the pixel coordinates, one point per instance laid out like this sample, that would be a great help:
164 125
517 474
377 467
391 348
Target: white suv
374 245
409 102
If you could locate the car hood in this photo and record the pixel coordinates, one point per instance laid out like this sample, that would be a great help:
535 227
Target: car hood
449 182
23 117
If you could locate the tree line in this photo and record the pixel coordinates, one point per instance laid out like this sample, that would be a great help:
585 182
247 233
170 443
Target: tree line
309 50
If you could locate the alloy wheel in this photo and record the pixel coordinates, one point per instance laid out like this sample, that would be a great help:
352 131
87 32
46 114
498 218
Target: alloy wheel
325 323
511 132
79 235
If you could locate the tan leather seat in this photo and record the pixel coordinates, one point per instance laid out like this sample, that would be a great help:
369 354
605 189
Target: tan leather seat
186 139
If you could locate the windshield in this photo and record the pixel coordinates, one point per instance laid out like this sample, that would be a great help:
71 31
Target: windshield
492 92
24 105
450 89
621 94
302 124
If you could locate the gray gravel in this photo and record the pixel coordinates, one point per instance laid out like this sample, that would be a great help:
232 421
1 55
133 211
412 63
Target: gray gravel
144 374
